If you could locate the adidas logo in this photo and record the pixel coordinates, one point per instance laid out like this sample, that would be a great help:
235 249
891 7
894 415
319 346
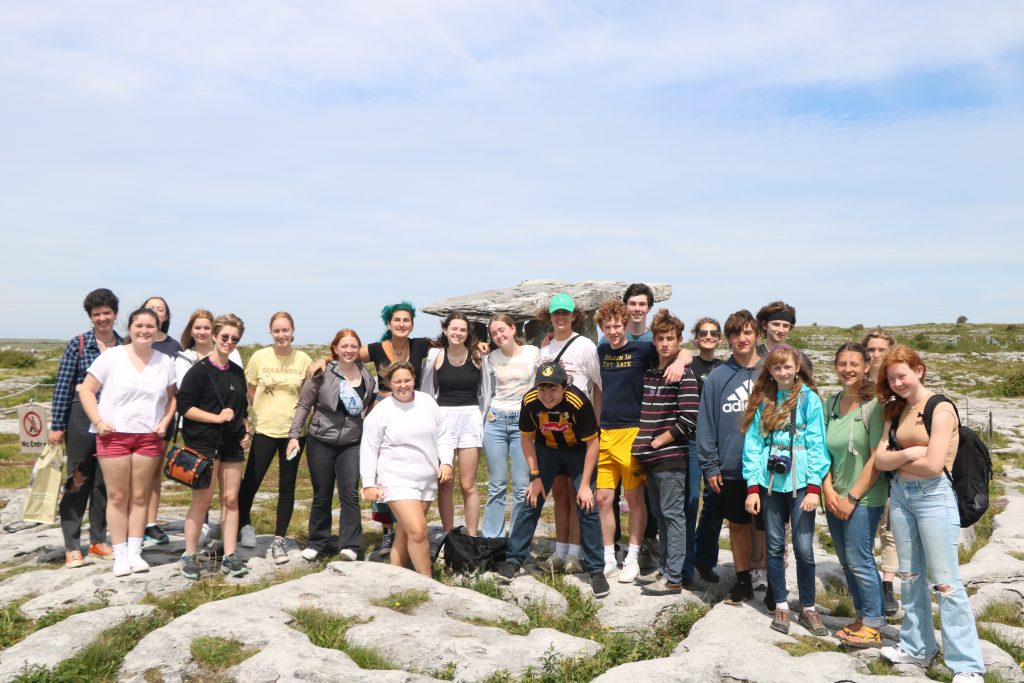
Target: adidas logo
737 400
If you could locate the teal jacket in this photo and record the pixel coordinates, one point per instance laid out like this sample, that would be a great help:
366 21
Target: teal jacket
810 458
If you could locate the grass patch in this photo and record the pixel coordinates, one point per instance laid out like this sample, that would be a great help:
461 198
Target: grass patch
14 568
983 527
825 539
836 598
1008 613
217 654
1008 645
216 588
405 601
880 667
1016 555
724 543
806 645
15 626
328 630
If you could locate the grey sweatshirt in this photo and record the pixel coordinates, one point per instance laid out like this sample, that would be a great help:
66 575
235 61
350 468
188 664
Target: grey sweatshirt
722 404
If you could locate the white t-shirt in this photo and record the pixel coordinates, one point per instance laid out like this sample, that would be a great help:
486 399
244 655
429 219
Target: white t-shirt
404 444
184 360
132 402
579 360
513 376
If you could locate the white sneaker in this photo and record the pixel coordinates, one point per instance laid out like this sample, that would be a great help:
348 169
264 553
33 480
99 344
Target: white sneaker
759 579
347 555
611 569
630 570
122 567
310 554
248 539
895 654
137 564
966 676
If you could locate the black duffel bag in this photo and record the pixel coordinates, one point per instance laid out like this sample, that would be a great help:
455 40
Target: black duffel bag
467 554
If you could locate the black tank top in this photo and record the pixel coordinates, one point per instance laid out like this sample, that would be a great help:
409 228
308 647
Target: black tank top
457 386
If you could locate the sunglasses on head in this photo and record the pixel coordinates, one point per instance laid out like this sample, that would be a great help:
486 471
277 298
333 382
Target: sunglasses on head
708 333
229 338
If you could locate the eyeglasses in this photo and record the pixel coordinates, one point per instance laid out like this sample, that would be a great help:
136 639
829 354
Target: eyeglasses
229 338
708 333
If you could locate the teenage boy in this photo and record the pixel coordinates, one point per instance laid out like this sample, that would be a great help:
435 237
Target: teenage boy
707 335
668 420
774 323
559 432
720 443
623 363
639 298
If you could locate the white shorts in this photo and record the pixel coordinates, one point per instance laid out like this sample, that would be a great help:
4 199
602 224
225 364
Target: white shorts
465 425
392 493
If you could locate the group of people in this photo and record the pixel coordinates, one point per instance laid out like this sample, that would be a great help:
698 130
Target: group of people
747 440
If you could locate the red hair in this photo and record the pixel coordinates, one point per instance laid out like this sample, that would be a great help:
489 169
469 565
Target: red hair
347 332
900 353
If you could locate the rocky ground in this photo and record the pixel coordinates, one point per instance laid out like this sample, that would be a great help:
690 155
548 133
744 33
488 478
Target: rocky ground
442 631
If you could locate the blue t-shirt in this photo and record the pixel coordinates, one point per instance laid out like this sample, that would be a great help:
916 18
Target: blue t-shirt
647 336
622 381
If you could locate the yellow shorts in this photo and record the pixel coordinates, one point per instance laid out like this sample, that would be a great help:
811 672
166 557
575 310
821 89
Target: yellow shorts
616 461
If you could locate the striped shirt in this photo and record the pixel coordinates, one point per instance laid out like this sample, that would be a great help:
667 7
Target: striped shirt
665 407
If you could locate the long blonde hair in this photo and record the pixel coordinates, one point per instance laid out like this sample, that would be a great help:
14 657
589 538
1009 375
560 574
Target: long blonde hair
766 389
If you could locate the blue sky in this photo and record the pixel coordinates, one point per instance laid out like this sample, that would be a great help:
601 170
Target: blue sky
860 160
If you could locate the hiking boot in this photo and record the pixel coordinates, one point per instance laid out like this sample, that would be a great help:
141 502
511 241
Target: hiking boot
190 567
662 587
386 541
811 620
648 557
708 573
73 559
630 570
552 564
247 537
572 566
104 551
741 590
648 579
232 565
895 654
780 621
154 535
277 552
891 606
599 584
507 571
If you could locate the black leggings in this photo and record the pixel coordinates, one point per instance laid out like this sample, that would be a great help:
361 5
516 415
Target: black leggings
261 454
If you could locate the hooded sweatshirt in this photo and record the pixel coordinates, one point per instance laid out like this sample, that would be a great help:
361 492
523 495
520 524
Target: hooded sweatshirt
722 402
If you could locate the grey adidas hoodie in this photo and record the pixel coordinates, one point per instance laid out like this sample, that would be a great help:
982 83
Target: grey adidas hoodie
722 404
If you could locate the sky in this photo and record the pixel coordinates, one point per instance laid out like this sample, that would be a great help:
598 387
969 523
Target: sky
861 161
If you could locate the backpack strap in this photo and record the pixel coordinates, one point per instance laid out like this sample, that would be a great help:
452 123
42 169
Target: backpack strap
833 404
929 411
81 346
566 347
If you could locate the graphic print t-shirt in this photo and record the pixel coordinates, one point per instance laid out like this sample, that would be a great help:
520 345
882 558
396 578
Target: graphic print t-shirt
564 427
277 380
622 380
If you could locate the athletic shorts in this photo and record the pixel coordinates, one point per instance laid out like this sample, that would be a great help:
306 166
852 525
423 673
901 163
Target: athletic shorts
465 425
117 444
392 493
616 462
732 501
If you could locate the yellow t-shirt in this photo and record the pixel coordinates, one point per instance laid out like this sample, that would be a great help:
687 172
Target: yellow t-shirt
277 380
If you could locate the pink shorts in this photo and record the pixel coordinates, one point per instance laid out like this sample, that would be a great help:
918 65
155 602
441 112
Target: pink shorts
116 445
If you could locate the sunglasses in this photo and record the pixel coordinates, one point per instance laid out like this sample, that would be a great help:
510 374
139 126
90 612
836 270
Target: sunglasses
708 333
229 338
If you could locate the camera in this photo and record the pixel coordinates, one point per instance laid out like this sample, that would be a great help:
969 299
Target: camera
779 464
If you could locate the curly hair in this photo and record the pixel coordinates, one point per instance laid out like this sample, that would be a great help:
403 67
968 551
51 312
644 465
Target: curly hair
766 389
609 311
666 323
98 298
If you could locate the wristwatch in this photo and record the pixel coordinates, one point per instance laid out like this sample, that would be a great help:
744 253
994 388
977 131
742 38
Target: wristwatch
850 497
534 474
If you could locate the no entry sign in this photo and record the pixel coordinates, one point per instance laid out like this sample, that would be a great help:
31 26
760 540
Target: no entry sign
34 427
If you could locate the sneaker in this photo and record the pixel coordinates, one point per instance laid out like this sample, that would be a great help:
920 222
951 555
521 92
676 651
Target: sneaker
507 571
122 563
310 554
965 676
895 654
204 535
103 551
780 621
630 570
247 537
572 566
811 620
740 591
647 579
154 535
137 564
758 579
213 552
552 564
599 584
73 558
662 587
232 565
386 541
708 573
610 569
347 555
190 566
277 552
891 606
648 557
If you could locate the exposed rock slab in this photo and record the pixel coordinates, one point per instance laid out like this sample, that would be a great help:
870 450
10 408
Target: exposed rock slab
993 564
526 590
50 646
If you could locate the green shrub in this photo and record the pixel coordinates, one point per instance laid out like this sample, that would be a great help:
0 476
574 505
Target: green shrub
17 359
1013 385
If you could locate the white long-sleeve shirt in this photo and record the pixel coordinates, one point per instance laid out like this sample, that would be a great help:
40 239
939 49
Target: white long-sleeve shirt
404 444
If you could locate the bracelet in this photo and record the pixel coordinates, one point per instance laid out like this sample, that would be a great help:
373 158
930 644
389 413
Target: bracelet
534 475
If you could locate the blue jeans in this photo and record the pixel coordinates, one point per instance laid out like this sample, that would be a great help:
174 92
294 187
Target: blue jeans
926 525
502 445
693 480
854 540
667 493
550 462
776 509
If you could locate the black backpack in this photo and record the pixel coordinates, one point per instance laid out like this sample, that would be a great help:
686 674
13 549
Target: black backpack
972 469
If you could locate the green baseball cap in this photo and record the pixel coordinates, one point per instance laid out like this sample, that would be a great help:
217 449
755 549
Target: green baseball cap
561 302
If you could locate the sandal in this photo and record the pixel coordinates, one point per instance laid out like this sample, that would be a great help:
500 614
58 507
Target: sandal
865 637
852 627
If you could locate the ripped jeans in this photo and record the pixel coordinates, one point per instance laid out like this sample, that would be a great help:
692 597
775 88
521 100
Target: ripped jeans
926 525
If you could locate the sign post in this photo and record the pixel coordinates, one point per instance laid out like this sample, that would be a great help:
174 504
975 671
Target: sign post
33 427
